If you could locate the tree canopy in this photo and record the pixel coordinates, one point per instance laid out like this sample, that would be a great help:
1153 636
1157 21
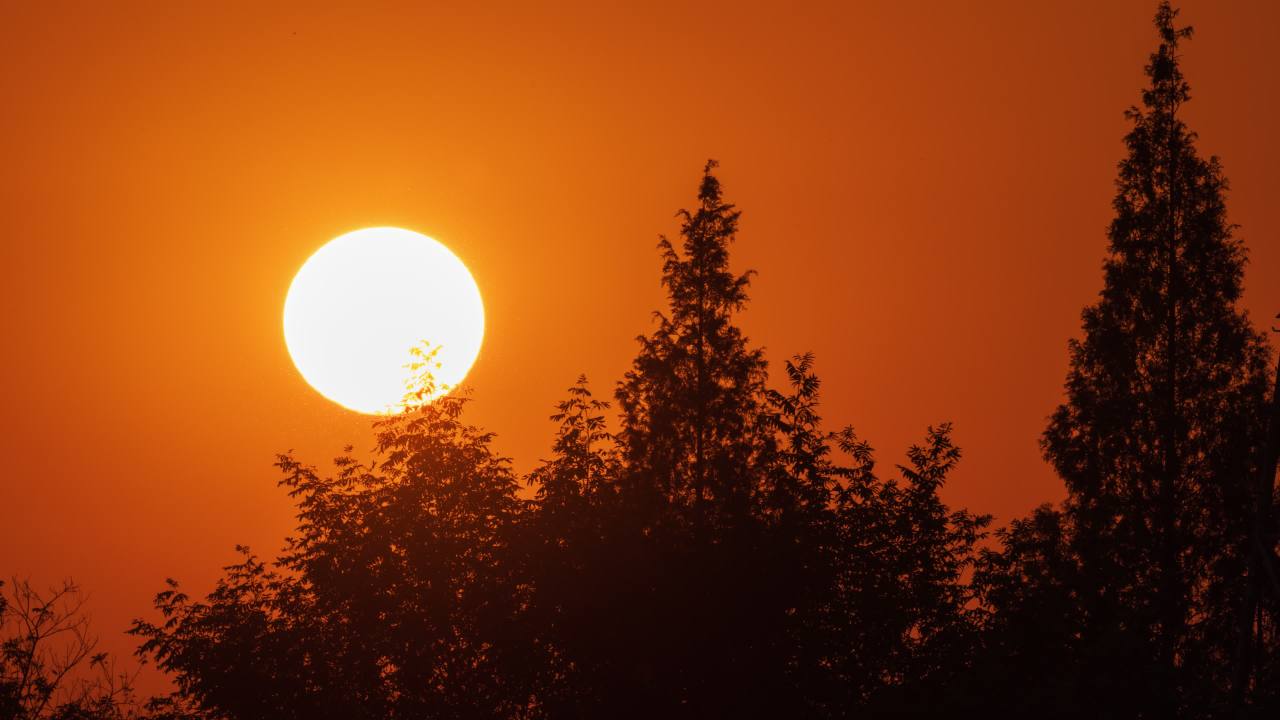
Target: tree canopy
706 545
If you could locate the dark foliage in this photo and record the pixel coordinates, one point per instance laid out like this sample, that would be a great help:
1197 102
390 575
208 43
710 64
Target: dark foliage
713 558
1133 600
724 554
50 667
399 597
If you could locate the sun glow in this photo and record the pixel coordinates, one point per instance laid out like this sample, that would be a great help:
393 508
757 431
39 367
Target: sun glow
361 304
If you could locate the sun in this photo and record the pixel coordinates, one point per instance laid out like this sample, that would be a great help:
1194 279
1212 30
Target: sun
361 304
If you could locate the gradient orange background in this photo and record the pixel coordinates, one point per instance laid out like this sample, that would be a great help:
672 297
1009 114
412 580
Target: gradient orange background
926 188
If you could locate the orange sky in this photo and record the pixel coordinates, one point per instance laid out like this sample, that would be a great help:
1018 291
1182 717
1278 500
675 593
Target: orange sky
925 187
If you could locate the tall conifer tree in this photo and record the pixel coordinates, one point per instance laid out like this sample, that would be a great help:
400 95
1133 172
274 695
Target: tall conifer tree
1160 424
692 430
690 403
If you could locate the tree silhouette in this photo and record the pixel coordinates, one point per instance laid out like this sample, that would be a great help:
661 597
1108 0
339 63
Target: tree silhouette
690 402
691 437
868 572
50 667
724 554
397 598
746 561
1029 586
714 558
906 610
1157 441
1256 672
565 540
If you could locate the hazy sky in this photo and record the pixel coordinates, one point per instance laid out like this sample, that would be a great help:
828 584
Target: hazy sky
925 191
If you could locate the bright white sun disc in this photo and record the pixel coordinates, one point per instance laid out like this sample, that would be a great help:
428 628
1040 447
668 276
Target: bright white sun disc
364 300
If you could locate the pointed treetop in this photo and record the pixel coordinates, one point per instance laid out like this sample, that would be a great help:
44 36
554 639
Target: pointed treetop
709 192
1168 87
1165 15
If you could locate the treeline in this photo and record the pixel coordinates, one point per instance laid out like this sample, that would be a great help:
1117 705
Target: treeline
725 553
